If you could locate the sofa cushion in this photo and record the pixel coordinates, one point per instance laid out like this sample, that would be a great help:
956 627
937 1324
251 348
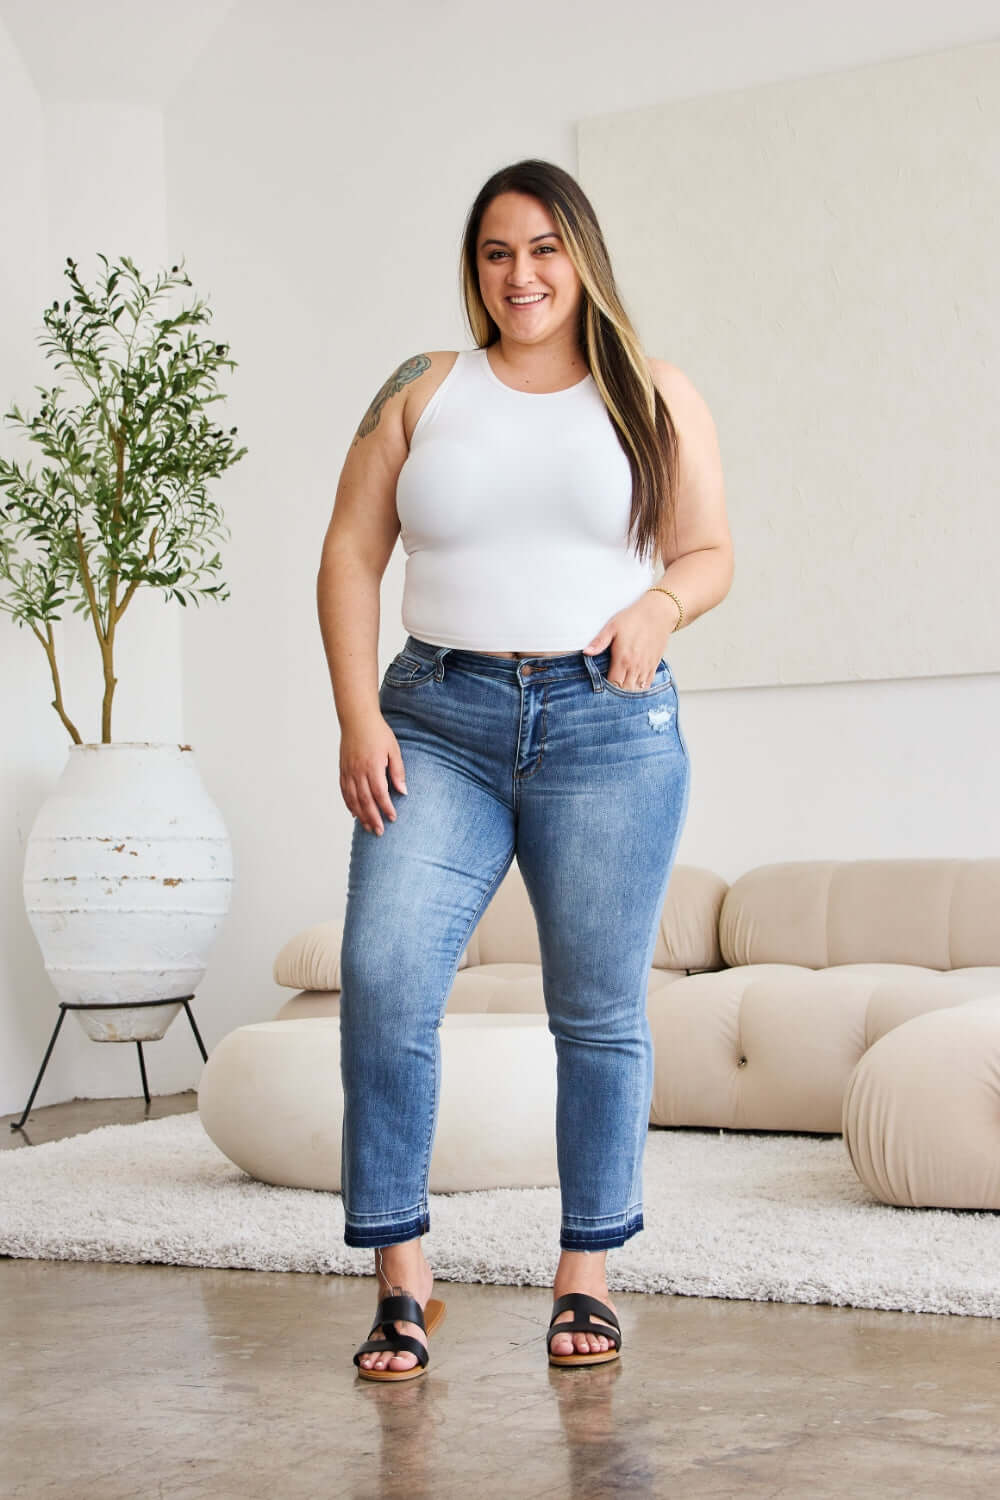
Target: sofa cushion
772 1046
487 988
921 1117
311 959
936 913
506 936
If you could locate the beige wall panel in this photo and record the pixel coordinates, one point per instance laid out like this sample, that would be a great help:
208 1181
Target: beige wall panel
820 257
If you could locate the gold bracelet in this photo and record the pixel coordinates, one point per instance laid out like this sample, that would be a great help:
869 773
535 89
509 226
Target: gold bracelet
657 588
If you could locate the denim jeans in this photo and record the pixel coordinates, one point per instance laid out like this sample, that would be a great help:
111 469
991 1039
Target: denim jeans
587 784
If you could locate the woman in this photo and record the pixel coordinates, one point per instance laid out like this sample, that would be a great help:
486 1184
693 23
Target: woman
538 481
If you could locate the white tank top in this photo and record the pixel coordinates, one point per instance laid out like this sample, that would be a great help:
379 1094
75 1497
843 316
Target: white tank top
514 510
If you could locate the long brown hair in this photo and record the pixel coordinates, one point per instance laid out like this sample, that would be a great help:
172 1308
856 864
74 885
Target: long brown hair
607 338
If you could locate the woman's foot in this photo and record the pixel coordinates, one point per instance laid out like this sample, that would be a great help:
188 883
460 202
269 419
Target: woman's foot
581 1271
410 1274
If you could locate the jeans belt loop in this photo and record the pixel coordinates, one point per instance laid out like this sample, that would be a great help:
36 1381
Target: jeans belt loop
595 676
439 657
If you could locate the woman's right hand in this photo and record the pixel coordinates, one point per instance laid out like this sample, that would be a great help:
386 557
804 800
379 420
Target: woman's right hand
366 748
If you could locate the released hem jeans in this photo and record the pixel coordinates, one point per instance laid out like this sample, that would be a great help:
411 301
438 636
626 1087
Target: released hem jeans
578 1236
386 1233
586 784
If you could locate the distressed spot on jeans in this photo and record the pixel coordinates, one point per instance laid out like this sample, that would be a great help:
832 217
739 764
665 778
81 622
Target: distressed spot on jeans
659 718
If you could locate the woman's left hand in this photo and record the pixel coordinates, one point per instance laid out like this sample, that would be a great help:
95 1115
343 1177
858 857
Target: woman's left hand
637 640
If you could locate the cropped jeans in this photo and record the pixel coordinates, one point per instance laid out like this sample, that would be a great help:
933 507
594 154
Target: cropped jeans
587 784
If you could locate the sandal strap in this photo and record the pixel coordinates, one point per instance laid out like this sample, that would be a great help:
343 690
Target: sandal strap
396 1343
581 1302
576 1325
399 1309
391 1310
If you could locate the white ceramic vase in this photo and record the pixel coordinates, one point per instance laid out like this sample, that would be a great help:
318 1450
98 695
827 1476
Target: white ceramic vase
127 877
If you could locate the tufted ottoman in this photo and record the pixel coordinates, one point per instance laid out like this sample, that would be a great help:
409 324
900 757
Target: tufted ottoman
921 1117
270 1098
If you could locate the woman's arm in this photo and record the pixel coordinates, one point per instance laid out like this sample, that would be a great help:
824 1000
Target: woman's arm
699 567
358 544
356 550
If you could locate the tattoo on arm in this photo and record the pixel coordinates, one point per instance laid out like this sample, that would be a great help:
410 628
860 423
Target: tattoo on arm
409 370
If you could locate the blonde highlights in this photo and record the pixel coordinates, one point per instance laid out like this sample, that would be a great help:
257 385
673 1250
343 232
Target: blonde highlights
608 342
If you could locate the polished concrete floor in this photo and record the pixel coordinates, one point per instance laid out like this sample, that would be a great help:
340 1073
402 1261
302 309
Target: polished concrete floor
124 1381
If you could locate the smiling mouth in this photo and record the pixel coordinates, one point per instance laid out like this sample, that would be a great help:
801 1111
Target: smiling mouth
531 302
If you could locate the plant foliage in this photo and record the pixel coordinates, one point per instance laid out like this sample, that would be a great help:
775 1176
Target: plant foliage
131 445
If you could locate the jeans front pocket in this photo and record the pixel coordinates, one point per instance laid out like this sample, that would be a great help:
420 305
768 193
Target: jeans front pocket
406 670
662 679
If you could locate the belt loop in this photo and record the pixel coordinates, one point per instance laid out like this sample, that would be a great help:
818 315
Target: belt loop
439 657
595 676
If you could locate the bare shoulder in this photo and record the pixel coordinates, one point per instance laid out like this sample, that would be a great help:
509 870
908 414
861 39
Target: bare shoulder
392 399
428 372
365 518
679 392
689 411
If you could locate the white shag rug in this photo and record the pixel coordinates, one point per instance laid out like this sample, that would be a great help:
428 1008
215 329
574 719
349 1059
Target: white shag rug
780 1218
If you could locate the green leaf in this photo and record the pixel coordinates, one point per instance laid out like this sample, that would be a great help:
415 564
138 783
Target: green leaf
129 449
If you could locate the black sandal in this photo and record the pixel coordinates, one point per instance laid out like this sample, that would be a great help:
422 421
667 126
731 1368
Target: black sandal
584 1305
400 1309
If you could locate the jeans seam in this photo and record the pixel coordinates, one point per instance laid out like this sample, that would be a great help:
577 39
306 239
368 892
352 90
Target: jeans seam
527 775
587 1221
425 1176
384 1233
650 692
402 1215
609 1239
407 682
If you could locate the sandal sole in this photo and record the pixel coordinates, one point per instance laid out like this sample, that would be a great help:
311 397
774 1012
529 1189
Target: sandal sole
600 1358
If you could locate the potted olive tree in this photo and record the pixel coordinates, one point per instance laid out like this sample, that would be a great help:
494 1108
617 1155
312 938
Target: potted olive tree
128 867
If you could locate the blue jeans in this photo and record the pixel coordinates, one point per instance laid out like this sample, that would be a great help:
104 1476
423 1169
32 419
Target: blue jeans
587 783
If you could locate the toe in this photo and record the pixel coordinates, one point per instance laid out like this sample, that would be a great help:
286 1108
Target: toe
389 1359
579 1343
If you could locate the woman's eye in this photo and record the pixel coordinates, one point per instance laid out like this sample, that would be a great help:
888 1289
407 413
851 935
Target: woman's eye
492 254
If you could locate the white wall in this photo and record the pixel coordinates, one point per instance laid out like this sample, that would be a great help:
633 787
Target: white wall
30 749
80 176
319 164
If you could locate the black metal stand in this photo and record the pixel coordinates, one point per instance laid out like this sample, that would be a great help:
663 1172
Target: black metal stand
65 1005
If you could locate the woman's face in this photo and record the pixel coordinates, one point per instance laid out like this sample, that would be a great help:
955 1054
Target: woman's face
520 254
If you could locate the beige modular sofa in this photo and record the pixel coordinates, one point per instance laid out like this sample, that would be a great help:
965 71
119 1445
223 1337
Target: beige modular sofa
849 997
